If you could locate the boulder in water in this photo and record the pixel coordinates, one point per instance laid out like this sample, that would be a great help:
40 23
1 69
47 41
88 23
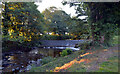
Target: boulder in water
28 67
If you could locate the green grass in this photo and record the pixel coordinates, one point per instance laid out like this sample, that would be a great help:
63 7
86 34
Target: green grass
116 40
77 68
60 61
109 66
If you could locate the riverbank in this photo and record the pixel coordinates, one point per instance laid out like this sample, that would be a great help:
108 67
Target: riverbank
101 60
19 61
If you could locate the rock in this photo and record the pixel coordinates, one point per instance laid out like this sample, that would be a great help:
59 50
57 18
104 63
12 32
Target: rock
19 52
38 61
13 69
29 67
20 70
22 66
29 62
76 46
17 68
33 61
36 52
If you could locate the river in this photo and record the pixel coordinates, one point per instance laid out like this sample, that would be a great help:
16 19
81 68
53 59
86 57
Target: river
19 61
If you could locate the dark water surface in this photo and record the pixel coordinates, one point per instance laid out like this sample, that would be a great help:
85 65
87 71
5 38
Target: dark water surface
20 61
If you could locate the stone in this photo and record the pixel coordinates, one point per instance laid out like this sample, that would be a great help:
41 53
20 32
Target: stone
20 70
17 68
29 67
13 69
38 61
22 66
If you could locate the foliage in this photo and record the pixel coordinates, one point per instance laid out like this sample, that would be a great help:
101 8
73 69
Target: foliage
56 20
78 28
59 22
116 40
84 45
106 22
7 45
55 37
65 52
47 60
103 19
21 22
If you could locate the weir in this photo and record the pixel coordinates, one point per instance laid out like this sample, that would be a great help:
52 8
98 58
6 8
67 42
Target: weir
60 43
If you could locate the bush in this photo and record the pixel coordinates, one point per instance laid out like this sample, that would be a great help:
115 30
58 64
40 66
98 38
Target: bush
65 52
84 45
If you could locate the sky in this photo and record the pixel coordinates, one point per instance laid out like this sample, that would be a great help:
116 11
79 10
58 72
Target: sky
57 3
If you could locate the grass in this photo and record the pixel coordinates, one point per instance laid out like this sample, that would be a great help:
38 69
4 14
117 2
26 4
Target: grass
116 40
56 63
77 68
109 66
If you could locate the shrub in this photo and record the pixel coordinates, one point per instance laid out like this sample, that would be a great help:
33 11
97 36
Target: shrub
65 52
84 45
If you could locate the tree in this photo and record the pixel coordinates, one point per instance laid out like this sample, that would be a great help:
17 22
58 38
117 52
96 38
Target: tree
56 20
102 17
22 22
78 28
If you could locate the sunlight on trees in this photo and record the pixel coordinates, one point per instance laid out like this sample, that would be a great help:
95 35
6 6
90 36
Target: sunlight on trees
22 21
